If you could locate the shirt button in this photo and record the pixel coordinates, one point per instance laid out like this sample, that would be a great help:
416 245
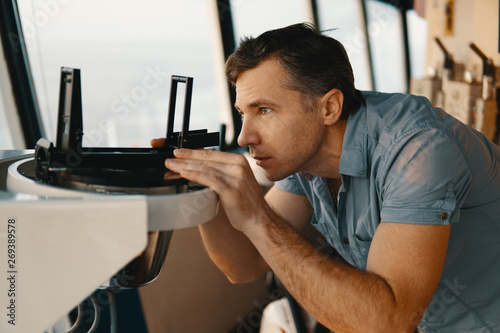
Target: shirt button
346 241
444 216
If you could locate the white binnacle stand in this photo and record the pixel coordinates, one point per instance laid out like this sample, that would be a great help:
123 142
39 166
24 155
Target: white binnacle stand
64 244
165 211
61 250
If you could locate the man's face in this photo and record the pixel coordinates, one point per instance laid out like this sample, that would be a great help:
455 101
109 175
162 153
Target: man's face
282 135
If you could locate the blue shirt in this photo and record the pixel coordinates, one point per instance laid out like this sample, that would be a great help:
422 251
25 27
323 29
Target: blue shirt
404 161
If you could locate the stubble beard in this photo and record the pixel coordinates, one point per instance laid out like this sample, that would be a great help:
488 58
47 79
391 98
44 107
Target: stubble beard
289 168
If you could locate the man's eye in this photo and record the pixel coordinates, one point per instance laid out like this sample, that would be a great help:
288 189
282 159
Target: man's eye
265 110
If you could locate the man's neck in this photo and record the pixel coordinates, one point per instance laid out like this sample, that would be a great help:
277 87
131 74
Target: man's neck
326 162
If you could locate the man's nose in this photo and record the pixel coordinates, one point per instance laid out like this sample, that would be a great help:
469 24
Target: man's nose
249 134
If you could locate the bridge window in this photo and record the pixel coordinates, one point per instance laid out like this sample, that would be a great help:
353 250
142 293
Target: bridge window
127 51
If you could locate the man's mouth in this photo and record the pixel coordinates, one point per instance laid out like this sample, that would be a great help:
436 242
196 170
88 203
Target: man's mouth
260 160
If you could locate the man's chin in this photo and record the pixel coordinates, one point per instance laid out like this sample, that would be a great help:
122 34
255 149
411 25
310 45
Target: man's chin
275 176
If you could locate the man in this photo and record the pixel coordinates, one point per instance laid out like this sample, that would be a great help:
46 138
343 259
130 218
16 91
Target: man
408 195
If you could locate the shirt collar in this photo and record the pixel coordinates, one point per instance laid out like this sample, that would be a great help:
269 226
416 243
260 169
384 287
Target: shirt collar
354 148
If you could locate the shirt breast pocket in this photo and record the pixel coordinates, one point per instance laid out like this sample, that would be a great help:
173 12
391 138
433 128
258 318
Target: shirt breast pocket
359 250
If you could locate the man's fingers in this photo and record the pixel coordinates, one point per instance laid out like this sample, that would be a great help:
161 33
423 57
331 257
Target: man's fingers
212 177
213 180
228 174
209 155
178 165
157 143
170 175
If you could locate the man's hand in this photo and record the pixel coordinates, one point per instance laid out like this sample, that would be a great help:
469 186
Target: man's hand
230 176
157 143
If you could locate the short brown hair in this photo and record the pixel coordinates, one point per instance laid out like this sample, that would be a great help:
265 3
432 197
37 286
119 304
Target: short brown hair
314 63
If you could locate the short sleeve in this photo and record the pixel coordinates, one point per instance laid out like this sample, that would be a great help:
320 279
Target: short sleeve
426 180
291 184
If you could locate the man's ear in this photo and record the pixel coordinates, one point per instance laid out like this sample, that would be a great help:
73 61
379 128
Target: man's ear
332 106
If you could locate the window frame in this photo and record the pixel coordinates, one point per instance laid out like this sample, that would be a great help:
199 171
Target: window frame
21 80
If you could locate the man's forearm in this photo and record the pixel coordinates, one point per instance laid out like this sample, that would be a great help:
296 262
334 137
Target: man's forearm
231 251
341 297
